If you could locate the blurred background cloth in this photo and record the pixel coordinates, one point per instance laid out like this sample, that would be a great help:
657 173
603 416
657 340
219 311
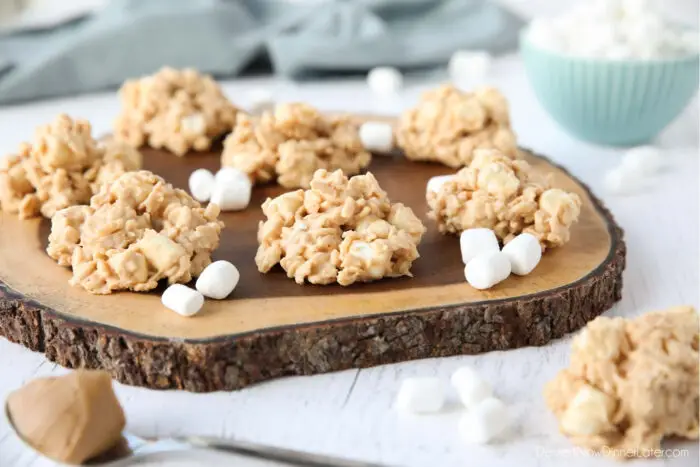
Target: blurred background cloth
93 45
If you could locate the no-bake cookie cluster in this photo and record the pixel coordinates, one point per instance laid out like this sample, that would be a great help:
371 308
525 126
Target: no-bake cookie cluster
339 230
63 166
630 383
135 232
291 143
507 196
178 110
449 125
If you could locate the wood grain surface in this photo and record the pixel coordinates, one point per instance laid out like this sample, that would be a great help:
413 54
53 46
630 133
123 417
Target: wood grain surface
311 328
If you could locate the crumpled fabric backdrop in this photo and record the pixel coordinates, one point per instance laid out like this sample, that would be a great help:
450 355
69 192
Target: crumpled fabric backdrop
129 38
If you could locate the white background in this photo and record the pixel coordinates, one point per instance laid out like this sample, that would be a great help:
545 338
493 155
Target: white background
350 413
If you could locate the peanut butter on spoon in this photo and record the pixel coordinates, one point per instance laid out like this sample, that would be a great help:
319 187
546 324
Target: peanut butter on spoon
70 418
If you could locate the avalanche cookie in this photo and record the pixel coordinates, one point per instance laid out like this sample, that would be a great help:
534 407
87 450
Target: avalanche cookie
62 167
507 196
630 383
448 125
291 143
339 230
136 231
179 110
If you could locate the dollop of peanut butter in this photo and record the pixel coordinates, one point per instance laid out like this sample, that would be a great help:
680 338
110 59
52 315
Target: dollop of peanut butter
70 418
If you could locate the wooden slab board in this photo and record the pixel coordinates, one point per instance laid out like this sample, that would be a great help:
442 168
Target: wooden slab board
272 327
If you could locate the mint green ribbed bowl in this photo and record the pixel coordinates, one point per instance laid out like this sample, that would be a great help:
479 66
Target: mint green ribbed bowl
625 102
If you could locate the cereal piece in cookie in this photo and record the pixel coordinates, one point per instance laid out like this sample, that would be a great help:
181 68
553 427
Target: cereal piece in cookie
449 125
118 158
630 383
291 143
136 231
178 110
64 166
339 230
505 195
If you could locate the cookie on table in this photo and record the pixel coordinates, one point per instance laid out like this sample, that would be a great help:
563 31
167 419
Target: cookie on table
448 125
288 145
630 383
341 229
507 196
63 166
136 231
177 110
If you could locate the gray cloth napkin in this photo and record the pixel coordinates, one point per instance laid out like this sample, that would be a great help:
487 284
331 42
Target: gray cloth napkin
130 38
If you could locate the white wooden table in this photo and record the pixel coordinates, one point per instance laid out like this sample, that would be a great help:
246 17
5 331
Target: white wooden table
350 413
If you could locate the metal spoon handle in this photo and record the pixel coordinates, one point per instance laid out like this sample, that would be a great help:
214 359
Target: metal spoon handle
288 456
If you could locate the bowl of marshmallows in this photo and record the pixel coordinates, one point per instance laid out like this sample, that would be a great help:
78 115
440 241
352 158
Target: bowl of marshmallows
611 72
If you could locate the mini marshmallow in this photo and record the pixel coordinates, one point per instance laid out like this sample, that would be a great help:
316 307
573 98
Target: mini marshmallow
470 387
485 422
587 413
524 253
365 252
643 160
229 175
362 250
689 39
474 242
260 100
218 280
201 184
634 7
193 124
623 182
420 395
435 183
234 195
544 33
385 81
487 269
377 136
182 300
618 52
469 67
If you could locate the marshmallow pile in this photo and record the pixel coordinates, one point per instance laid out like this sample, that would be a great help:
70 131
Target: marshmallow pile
613 30
486 264
635 171
486 419
230 188
217 281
